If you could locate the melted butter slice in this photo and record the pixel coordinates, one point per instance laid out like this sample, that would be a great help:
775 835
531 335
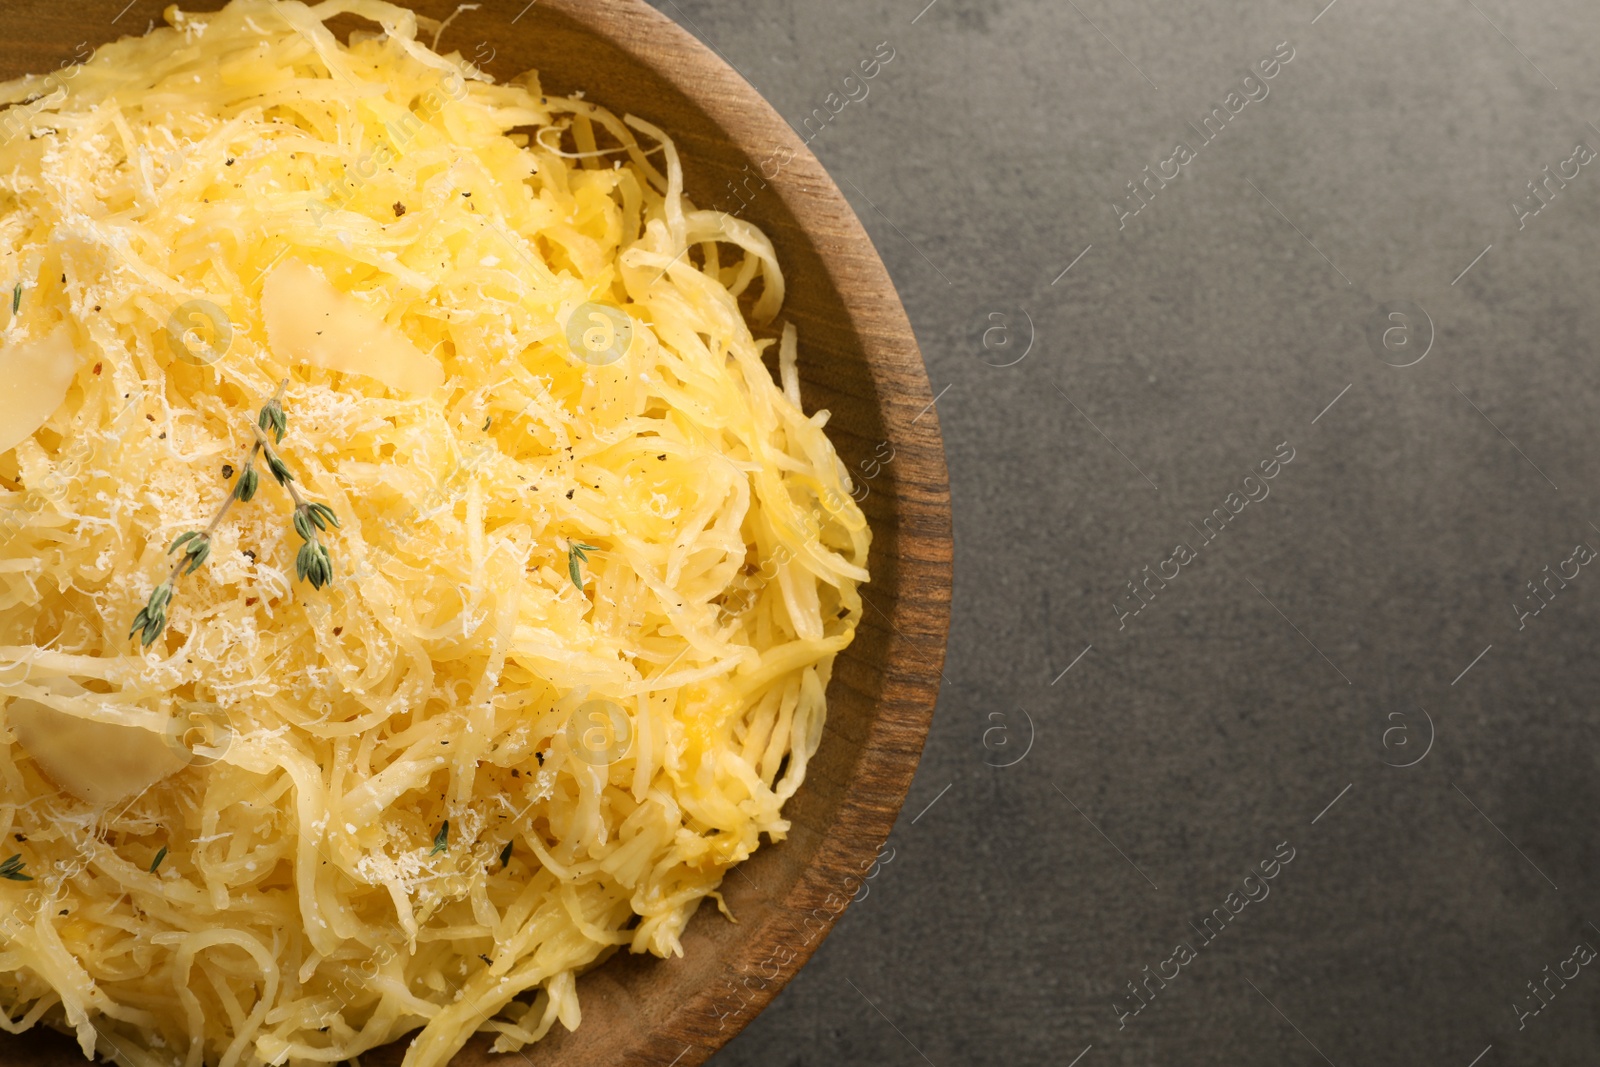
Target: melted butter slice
309 321
37 373
97 762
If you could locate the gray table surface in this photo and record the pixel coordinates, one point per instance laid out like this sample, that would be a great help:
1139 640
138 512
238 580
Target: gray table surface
1365 611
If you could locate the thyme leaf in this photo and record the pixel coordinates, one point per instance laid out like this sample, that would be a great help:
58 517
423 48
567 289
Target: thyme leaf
576 555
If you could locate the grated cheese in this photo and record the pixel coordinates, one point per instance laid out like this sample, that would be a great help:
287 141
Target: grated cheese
336 774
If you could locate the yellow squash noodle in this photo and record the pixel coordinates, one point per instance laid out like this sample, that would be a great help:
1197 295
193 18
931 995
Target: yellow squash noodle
592 569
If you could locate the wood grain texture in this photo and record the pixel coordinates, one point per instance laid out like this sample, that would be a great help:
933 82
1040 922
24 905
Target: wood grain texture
859 359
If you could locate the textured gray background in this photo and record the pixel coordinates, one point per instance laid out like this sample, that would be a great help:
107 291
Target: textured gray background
1325 633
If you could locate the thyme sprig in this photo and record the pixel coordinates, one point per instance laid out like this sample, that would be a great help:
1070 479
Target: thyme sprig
11 870
313 563
441 840
196 544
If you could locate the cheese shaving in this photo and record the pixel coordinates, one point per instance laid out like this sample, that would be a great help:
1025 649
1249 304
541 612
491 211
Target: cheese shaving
593 569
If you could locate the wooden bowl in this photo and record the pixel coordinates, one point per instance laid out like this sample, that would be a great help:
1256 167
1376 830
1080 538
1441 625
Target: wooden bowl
859 360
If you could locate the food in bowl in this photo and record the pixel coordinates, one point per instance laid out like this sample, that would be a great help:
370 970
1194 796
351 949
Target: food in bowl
416 585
